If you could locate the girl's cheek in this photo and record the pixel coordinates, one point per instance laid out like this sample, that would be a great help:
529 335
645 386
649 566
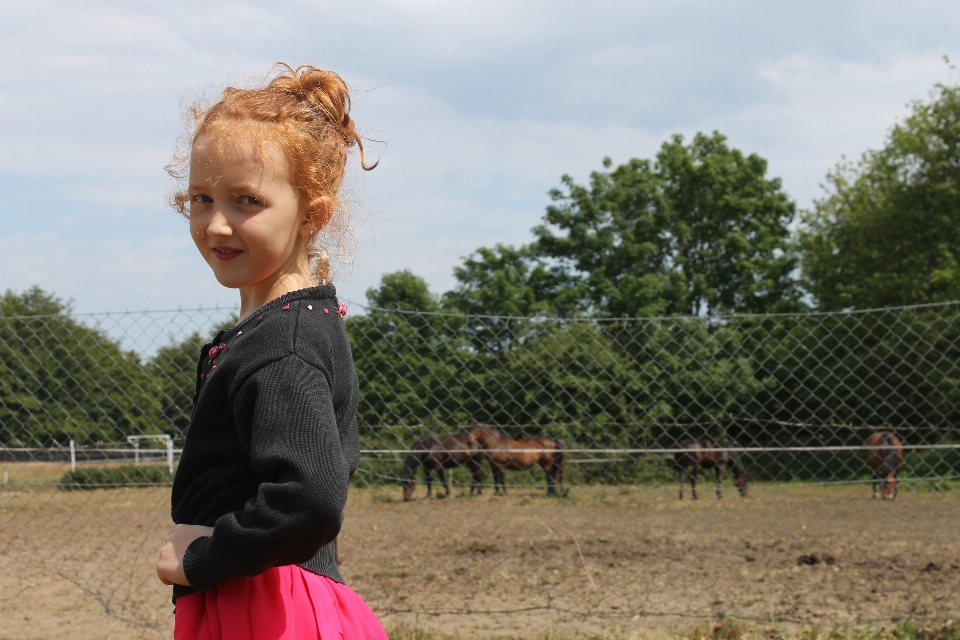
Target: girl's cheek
197 229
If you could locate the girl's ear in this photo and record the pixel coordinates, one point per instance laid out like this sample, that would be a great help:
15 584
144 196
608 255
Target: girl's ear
317 215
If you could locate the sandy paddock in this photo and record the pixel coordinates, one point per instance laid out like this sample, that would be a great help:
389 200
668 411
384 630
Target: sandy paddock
610 560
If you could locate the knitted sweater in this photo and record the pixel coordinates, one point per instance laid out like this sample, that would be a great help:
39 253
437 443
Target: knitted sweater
272 443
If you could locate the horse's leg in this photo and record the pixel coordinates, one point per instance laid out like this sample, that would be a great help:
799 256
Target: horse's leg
683 478
477 472
693 482
443 481
428 478
500 479
551 480
719 480
876 481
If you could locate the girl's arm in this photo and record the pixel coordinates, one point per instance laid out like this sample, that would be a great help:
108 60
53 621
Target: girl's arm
284 412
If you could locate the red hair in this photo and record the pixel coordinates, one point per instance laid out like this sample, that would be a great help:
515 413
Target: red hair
307 111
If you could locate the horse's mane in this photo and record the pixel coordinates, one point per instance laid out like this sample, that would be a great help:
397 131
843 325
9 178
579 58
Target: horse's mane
487 427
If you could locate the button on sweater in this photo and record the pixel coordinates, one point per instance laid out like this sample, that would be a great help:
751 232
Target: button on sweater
272 443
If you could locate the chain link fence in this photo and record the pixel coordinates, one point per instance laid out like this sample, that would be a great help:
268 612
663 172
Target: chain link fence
93 410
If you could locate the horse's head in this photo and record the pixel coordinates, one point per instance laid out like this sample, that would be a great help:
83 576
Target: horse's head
409 484
741 482
408 477
888 488
483 435
739 473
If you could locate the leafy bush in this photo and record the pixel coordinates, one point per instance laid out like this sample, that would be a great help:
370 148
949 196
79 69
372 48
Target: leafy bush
127 475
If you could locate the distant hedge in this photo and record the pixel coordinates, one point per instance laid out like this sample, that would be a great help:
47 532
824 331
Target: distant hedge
127 475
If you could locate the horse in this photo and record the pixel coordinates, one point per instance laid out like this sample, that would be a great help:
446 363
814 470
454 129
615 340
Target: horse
884 455
434 452
706 453
516 455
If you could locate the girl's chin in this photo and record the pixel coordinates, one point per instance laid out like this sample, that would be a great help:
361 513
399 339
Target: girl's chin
232 280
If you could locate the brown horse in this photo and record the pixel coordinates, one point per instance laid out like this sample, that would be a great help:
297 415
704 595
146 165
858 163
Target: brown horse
884 455
709 454
516 455
435 453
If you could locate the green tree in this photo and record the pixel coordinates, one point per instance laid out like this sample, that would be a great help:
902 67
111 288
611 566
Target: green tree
509 281
403 291
407 362
503 285
174 368
702 230
888 231
60 379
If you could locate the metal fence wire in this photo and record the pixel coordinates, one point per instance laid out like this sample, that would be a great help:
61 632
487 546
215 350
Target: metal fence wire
609 413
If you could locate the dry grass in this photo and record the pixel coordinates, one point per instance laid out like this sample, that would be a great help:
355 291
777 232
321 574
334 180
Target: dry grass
735 630
638 562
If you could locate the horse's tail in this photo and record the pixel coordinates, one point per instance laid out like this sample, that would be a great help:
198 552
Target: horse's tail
560 457
408 477
890 455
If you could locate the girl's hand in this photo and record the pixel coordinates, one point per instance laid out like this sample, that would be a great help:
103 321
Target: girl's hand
170 564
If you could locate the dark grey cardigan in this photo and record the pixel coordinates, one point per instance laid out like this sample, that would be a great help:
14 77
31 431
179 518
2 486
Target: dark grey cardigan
272 443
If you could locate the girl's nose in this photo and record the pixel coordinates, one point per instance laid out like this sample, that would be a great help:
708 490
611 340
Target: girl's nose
218 225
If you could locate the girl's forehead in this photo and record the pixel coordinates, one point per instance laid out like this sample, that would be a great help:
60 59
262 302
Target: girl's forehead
240 148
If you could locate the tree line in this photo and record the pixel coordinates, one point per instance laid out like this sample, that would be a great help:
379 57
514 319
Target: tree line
612 326
703 230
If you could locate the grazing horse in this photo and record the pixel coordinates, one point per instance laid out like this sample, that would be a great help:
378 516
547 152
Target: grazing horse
516 455
435 453
885 455
709 454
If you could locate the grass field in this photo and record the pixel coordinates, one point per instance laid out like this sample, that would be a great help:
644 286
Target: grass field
604 562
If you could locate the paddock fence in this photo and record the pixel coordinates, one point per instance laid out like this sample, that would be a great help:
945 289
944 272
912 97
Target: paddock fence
94 410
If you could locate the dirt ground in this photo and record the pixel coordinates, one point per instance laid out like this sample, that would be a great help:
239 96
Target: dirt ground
79 565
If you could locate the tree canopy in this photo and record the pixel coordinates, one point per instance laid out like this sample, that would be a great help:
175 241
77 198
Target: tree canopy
701 230
888 231
60 379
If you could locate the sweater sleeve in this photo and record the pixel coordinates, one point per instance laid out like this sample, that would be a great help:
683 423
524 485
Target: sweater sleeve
284 412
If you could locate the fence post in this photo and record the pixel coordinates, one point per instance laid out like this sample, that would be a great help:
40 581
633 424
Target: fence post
73 455
136 452
170 454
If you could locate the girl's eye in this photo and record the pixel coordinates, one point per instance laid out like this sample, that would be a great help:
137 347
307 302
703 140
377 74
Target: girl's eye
249 200
202 198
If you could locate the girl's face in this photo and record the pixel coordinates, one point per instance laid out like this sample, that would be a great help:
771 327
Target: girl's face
245 217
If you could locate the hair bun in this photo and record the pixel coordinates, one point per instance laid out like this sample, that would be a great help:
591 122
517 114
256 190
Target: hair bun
326 96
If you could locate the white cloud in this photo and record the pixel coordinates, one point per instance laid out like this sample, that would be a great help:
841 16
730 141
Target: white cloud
819 110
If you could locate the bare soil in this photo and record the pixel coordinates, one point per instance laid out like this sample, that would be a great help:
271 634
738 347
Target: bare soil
611 561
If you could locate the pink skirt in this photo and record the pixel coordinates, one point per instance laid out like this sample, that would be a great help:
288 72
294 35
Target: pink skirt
283 603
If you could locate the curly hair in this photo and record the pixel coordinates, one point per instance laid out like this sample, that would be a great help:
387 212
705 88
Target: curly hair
307 111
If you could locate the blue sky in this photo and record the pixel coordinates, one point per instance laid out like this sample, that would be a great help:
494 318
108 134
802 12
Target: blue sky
483 106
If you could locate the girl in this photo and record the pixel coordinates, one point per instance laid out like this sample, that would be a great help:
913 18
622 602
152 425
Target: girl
259 494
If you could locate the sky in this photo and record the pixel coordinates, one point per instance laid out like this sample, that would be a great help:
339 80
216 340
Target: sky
479 107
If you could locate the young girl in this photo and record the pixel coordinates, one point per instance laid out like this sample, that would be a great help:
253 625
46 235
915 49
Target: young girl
259 494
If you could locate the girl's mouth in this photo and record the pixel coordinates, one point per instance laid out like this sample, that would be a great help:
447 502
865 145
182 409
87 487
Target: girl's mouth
226 253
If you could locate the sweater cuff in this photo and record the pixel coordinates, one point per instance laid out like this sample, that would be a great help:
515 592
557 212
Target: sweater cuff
198 566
